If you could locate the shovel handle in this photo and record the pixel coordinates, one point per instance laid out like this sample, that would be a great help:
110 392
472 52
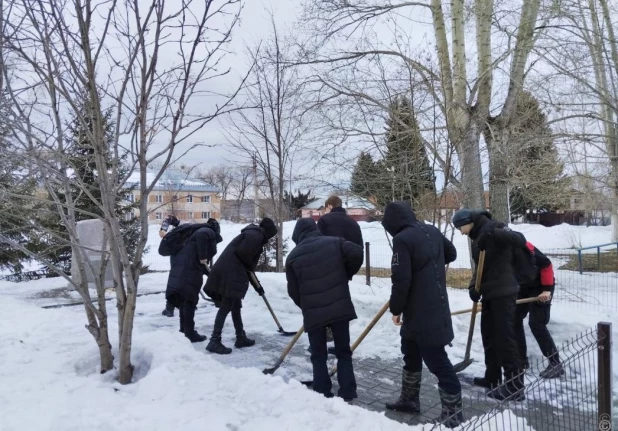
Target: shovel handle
363 334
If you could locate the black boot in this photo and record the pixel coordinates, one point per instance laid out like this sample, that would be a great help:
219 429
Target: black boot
512 390
525 362
553 371
215 345
169 310
195 337
243 341
408 401
452 410
484 383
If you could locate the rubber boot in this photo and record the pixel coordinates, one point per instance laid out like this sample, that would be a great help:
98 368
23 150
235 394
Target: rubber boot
452 410
484 383
215 345
243 341
169 310
512 390
554 370
409 400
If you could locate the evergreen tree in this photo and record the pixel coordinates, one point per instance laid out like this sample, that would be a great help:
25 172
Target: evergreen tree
295 202
537 174
404 173
85 188
364 176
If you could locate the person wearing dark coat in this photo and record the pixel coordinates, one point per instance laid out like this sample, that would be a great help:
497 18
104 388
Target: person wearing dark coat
188 266
419 304
228 281
170 220
499 290
318 270
542 287
337 223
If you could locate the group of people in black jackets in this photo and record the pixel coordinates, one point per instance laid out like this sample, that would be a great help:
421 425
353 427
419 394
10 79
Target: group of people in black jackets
326 257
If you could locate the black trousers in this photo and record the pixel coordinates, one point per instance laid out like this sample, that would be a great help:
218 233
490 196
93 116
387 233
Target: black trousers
539 318
498 334
186 313
436 360
226 306
319 355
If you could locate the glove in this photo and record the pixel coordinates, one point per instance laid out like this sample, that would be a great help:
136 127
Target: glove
474 295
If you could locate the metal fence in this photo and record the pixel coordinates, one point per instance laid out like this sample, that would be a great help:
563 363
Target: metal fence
584 277
578 401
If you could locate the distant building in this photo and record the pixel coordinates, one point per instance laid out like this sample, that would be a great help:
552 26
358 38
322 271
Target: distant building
358 208
178 194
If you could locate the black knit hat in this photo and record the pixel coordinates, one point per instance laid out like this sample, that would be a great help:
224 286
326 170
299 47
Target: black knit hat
270 229
463 217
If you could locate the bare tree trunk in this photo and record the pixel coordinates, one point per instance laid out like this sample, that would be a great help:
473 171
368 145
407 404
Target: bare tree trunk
497 140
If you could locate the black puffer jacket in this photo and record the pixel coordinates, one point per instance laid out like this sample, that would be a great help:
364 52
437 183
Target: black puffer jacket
338 223
420 252
498 274
228 277
317 271
186 272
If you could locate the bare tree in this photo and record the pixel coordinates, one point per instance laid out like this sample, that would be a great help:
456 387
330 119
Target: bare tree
464 101
242 179
274 126
221 176
148 60
582 48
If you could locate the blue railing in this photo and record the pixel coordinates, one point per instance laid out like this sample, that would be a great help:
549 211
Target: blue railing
598 247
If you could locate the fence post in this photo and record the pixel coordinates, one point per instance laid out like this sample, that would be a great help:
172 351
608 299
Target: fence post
604 334
598 258
367 265
579 260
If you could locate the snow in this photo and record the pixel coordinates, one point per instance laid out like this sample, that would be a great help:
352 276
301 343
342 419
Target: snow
50 380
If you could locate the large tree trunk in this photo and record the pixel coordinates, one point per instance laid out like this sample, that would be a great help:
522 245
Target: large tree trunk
497 140
614 203
471 170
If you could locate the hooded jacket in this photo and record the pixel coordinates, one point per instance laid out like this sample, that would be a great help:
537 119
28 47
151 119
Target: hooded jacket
186 270
228 277
317 272
420 252
498 240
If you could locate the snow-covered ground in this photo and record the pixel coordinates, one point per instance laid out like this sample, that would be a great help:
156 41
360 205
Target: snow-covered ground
50 381
49 361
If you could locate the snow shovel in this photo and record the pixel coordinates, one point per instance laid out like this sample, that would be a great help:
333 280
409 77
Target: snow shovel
260 290
479 307
360 338
477 287
285 352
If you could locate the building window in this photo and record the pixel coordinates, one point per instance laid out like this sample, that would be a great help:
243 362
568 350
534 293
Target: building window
206 214
205 199
130 197
158 216
190 215
190 199
159 199
129 216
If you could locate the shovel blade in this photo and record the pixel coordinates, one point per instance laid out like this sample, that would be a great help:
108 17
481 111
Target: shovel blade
286 333
462 365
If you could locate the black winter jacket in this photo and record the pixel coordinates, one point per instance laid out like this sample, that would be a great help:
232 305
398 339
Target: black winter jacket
420 252
186 272
317 271
338 223
228 277
498 278
544 281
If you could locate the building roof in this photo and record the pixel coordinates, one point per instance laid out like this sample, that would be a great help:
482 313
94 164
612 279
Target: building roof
173 180
348 202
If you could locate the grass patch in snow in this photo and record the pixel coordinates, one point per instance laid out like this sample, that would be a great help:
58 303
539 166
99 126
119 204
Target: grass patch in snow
458 278
606 261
